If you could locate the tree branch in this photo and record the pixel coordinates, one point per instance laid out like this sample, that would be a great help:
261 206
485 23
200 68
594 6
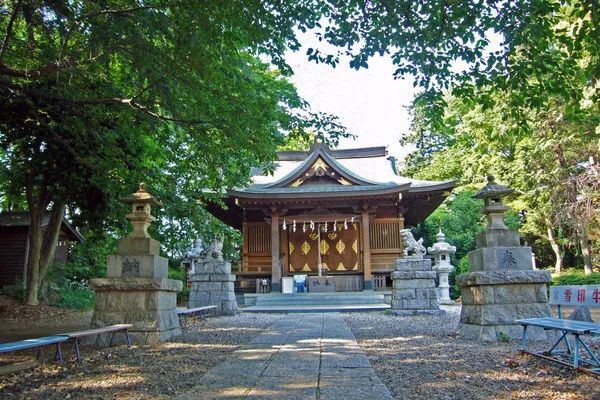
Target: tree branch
9 27
122 11
35 94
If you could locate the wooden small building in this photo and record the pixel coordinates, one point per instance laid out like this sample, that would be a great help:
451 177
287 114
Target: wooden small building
334 212
14 244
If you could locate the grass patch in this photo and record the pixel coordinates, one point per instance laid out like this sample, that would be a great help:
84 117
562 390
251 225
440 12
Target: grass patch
576 277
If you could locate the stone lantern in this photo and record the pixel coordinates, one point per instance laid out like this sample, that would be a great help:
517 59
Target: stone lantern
441 251
136 289
502 285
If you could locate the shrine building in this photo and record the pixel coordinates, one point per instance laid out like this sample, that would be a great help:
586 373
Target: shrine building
334 213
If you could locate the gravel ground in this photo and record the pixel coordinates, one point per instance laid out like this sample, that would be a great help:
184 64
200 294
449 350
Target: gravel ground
422 358
140 372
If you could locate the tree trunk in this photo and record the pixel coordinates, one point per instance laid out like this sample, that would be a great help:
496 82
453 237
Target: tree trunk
586 252
558 266
33 257
38 198
51 238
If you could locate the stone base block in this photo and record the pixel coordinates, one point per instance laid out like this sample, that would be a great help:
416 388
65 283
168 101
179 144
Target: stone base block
212 285
414 290
408 313
144 303
492 301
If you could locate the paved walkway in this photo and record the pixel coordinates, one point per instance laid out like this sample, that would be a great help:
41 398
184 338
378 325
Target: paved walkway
301 356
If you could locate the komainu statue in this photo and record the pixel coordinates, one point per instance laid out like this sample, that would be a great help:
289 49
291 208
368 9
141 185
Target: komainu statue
412 245
216 248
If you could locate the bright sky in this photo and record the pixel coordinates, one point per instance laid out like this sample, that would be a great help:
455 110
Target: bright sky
369 102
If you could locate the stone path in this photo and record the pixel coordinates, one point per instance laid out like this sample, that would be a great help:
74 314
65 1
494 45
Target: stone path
301 356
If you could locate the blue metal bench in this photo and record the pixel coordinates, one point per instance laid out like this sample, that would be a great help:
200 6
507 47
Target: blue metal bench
110 329
183 313
588 295
36 343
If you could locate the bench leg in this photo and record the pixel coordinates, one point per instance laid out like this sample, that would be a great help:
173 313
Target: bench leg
563 337
524 338
576 351
590 352
127 338
112 336
58 354
77 352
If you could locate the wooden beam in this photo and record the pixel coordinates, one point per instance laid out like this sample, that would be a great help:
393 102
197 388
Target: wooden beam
275 262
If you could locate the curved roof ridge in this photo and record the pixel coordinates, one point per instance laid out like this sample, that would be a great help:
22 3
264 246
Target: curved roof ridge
320 151
358 152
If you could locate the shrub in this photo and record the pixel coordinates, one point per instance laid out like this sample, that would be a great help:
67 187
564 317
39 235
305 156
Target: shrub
183 296
576 277
16 291
461 268
80 298
179 274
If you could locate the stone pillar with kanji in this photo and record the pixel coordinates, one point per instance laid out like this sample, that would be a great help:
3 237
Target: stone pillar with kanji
136 289
502 285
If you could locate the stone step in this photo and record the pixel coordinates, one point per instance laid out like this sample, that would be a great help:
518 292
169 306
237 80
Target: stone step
319 300
315 308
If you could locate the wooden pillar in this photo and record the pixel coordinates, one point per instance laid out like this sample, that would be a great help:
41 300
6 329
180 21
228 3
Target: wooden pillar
245 247
275 263
366 248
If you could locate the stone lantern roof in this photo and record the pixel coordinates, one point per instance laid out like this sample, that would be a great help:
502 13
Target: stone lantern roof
492 194
141 197
441 246
141 211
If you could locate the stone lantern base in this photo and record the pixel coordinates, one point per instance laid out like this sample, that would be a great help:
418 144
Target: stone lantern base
493 300
414 290
147 303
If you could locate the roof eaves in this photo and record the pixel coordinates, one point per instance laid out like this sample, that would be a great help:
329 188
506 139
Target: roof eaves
434 186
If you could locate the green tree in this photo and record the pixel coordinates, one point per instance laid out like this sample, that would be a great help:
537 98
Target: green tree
99 96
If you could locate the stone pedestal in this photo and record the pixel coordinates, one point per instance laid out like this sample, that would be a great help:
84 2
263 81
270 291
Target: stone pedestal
147 303
136 289
414 287
492 301
212 285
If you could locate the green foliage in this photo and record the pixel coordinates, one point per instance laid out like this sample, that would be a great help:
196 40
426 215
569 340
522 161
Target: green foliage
179 274
460 220
503 337
461 267
576 277
74 298
183 296
16 291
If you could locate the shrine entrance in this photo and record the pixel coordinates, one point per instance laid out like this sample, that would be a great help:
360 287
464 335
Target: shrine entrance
336 248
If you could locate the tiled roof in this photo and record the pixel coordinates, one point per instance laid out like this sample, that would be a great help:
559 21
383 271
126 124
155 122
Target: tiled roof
21 218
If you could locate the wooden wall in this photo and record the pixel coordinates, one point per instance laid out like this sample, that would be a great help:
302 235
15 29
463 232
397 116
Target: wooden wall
13 242
386 244
13 248
256 251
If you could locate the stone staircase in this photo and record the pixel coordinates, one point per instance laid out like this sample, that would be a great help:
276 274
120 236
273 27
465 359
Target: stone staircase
315 302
